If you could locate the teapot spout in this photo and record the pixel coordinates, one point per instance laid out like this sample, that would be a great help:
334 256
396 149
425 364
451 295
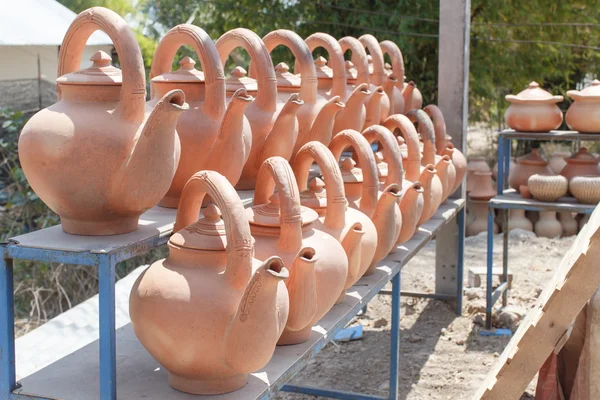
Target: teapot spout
353 116
352 245
280 141
252 334
407 93
411 207
302 289
322 127
387 220
389 87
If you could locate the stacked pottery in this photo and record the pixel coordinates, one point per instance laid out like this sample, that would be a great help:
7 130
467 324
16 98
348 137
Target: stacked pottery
582 163
547 187
518 220
530 164
475 164
483 191
533 110
547 225
584 113
569 224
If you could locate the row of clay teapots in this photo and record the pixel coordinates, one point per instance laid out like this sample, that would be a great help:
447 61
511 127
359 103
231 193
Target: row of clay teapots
99 157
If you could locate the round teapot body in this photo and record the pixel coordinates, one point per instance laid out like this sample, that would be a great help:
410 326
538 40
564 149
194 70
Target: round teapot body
529 117
584 116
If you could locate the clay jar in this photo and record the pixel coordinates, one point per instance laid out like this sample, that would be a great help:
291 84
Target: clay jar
208 130
548 226
273 123
479 210
363 194
475 164
533 110
353 229
210 313
483 187
532 163
569 224
580 164
517 220
547 187
280 225
584 113
96 157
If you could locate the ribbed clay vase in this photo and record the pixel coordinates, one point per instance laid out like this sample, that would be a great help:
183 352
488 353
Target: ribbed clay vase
530 164
518 220
547 187
586 189
479 222
548 226
569 224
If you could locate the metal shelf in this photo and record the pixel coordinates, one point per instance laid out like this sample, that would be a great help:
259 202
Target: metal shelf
511 200
552 135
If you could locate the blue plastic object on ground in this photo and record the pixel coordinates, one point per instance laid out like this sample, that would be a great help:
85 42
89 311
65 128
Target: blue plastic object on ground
496 332
348 334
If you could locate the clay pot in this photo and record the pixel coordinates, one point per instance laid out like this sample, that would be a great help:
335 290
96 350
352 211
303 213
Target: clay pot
530 164
96 158
586 189
533 110
533 216
548 226
547 187
210 129
393 87
569 224
517 220
475 164
479 222
210 313
557 161
272 120
584 113
483 187
511 167
377 75
581 163
353 229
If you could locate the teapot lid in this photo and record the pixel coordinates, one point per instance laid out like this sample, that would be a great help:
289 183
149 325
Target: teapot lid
269 215
208 233
323 70
533 158
285 79
370 61
350 172
102 72
186 73
351 71
382 166
240 80
534 94
590 92
583 156
315 196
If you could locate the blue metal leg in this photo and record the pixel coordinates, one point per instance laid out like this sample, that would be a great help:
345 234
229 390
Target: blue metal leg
395 337
505 255
501 165
7 333
460 260
507 150
108 365
490 265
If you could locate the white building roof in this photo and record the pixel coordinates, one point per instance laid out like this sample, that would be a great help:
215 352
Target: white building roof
38 23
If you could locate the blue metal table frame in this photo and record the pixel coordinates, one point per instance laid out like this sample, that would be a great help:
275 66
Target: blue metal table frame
509 199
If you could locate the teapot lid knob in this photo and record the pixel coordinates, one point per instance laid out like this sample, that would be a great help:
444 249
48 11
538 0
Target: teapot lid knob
533 85
347 164
316 184
101 59
321 61
187 63
239 72
349 64
370 58
212 213
378 157
282 68
387 66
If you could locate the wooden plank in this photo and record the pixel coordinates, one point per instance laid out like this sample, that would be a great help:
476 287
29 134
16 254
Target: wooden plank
572 285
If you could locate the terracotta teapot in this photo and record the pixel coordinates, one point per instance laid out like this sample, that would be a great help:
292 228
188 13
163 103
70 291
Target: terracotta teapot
378 76
210 313
395 82
96 157
581 163
273 123
209 130
332 82
280 225
533 110
532 163
362 191
583 114
353 229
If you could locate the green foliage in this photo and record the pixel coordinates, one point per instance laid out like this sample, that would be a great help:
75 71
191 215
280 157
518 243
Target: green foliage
121 7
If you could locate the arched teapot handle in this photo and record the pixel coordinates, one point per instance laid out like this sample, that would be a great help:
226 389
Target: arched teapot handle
266 97
276 173
132 104
439 127
391 152
334 183
392 49
336 58
359 58
425 128
366 160
237 229
409 133
372 45
198 39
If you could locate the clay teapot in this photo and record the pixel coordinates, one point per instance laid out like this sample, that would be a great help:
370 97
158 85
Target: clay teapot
395 83
273 123
353 229
210 313
533 110
532 163
209 130
378 76
96 157
580 164
362 191
583 114
280 225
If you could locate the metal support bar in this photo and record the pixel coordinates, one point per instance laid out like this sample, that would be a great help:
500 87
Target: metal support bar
490 266
498 292
395 337
58 256
108 348
422 295
7 333
460 260
331 394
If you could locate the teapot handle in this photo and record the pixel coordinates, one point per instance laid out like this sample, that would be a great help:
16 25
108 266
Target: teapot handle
372 45
425 128
336 57
439 127
303 55
392 49
391 152
276 172
359 58
198 39
366 160
266 98
336 196
411 137
132 103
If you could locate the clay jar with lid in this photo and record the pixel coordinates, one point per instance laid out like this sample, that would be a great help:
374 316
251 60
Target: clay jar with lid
483 186
584 113
209 129
580 164
98 157
318 262
475 164
533 110
532 163
210 313
352 228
